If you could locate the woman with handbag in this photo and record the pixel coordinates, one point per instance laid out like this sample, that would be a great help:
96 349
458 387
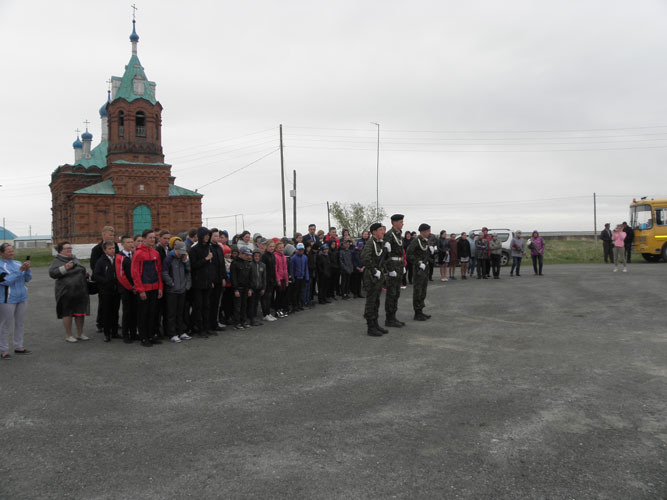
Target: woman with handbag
72 300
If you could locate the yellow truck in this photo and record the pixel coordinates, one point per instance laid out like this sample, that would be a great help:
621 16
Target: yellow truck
648 219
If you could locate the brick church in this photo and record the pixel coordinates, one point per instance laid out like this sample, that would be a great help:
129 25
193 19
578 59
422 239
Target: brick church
123 181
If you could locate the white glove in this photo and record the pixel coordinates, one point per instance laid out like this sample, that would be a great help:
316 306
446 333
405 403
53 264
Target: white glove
422 266
388 246
432 248
378 274
392 274
405 270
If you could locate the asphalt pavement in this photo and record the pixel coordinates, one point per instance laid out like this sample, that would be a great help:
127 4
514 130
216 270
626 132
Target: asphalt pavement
550 387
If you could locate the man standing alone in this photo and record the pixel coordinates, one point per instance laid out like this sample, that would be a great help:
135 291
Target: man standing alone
395 270
417 254
373 257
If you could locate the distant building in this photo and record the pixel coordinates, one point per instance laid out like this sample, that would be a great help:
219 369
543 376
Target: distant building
34 241
123 181
6 235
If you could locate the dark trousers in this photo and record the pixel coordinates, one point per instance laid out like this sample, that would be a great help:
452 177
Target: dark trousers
373 289
481 268
279 298
393 286
411 273
214 306
254 304
241 306
109 304
516 263
495 265
162 312
297 288
419 289
99 320
147 316
200 307
355 283
227 305
313 285
175 305
322 288
129 324
628 252
608 250
267 299
487 267
537 259
334 283
344 284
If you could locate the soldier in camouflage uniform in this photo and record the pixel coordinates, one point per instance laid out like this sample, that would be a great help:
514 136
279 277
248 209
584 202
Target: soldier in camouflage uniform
395 269
418 255
373 256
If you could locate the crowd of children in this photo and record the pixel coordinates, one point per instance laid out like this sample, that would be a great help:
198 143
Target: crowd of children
198 283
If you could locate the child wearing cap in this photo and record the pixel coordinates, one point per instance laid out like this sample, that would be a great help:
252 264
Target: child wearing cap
298 271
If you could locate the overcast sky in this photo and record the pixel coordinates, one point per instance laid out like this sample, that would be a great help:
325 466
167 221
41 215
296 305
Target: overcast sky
505 114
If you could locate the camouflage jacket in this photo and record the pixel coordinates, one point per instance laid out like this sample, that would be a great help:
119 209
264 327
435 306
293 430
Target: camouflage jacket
394 240
418 251
374 256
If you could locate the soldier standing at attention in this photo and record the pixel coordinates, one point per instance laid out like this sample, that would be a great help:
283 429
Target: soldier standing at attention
418 258
373 257
395 270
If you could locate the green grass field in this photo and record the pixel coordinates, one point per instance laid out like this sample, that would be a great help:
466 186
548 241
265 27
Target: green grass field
39 257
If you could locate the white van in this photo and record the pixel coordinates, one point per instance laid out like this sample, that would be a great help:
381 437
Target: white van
505 236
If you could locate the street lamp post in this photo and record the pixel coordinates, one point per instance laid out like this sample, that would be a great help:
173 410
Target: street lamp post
377 175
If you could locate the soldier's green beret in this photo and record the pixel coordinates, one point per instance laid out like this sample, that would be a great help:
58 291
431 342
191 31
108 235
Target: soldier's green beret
396 217
375 226
424 227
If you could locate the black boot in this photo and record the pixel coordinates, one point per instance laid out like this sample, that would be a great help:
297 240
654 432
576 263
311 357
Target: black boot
379 328
419 316
372 331
391 321
427 316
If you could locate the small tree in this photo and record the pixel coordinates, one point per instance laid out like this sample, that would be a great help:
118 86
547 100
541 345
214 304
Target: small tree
355 216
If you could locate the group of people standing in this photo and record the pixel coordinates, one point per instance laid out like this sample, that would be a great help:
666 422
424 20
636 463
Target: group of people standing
483 252
617 244
195 284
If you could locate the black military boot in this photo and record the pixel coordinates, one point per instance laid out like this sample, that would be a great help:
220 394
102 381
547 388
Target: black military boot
419 316
427 316
372 331
379 328
392 321
402 323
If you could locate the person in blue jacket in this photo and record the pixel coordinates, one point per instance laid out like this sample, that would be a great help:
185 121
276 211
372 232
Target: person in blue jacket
13 299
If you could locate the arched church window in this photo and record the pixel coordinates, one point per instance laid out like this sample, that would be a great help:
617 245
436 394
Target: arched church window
140 122
121 124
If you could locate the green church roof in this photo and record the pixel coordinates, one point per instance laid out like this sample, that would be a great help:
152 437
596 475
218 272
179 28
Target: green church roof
98 156
104 187
180 191
126 89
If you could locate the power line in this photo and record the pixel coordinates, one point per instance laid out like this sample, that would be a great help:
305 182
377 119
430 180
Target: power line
222 140
483 151
538 131
238 169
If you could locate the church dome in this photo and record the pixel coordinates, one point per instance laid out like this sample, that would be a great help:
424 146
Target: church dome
103 110
87 136
77 144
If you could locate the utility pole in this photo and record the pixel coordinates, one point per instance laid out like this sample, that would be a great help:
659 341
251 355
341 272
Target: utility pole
377 176
293 195
282 180
328 216
595 220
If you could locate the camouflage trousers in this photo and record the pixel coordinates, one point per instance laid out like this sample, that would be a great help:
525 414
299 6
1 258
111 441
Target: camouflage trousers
420 283
373 289
393 286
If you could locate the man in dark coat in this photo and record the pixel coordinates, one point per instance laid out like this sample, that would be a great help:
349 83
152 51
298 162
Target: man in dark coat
218 275
607 244
629 238
96 252
201 261
394 245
